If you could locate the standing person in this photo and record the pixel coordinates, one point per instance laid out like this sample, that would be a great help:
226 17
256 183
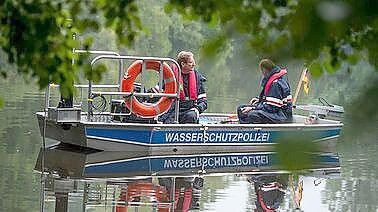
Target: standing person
192 91
274 102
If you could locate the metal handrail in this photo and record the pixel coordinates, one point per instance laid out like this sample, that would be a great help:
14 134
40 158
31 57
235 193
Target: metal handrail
86 86
143 58
120 62
120 58
120 66
135 94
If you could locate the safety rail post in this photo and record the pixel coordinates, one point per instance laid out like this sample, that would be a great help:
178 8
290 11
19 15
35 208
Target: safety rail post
142 77
47 98
177 102
120 70
89 114
46 109
173 193
161 76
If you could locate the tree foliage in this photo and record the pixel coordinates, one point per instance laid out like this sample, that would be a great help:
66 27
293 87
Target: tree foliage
37 35
328 35
329 32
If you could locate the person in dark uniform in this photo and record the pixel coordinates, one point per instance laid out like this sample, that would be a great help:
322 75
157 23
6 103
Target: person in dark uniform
274 104
192 91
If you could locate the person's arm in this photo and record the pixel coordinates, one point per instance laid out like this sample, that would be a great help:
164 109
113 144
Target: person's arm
254 101
201 98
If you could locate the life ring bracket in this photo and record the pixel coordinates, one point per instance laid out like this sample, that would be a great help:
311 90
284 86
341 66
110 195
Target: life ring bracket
167 97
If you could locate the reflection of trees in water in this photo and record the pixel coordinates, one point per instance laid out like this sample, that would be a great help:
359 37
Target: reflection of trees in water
212 186
19 144
356 189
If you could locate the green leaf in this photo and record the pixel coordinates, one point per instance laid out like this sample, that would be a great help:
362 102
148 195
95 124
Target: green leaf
214 21
212 47
316 69
327 65
353 59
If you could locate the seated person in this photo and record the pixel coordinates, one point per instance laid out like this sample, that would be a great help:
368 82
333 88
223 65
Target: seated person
192 92
274 103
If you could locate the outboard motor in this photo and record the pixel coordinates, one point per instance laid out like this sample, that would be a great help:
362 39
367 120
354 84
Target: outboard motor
324 110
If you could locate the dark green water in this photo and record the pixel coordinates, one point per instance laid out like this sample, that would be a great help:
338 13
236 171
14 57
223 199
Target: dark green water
354 189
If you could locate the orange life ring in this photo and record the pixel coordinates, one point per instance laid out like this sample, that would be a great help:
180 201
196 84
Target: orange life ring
142 189
150 110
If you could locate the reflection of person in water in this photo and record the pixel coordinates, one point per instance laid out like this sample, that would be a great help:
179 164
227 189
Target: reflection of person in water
270 191
187 192
135 192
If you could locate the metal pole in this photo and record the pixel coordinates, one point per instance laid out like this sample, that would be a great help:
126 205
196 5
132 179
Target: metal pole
106 196
42 194
161 76
89 100
47 99
120 71
173 192
85 195
177 102
73 49
142 77
114 199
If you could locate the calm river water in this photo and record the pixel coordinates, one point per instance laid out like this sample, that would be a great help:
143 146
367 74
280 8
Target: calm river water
354 188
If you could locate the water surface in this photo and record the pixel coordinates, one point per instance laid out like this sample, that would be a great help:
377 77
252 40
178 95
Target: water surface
353 189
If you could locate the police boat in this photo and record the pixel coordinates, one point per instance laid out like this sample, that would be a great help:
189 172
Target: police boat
117 117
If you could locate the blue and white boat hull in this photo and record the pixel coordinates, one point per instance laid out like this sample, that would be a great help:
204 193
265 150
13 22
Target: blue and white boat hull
181 138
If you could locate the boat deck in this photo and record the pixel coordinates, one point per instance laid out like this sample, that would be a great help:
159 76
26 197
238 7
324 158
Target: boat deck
214 119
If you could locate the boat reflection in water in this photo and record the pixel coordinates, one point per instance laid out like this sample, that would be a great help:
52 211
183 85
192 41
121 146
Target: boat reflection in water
128 181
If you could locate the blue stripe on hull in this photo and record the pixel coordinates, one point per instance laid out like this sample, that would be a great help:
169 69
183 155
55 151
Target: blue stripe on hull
159 164
121 134
209 137
198 162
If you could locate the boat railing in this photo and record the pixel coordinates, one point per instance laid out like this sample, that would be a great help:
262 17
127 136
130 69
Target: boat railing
142 84
90 52
110 55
